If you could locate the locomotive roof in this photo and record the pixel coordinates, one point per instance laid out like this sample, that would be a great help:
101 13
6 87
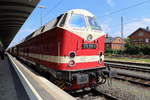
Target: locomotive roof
81 11
50 24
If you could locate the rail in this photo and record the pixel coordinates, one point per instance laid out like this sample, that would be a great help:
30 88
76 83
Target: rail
128 66
132 72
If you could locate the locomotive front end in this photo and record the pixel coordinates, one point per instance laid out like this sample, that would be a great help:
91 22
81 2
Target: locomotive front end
82 51
69 50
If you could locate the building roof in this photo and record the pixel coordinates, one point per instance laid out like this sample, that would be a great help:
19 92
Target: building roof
109 39
146 30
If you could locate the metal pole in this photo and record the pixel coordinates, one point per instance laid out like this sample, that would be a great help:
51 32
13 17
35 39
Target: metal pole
122 45
41 7
122 27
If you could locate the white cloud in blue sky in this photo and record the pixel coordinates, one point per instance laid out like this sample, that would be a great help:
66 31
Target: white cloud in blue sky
106 28
133 26
146 20
110 3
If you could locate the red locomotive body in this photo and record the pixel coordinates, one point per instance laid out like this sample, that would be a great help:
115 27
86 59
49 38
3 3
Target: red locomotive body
70 48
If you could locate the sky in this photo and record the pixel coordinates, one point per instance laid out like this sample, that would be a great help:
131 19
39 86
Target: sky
108 13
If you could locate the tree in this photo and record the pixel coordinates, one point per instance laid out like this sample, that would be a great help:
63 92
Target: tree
127 43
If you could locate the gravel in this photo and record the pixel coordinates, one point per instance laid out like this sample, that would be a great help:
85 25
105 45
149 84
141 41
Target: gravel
125 90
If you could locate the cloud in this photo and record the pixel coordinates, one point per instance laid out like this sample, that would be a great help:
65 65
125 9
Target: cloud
105 28
110 2
133 26
105 25
146 19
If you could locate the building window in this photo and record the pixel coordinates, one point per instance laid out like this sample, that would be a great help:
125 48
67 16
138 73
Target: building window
146 40
140 34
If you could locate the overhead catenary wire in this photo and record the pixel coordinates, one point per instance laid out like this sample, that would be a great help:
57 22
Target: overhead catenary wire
50 10
55 6
126 8
118 25
111 13
123 9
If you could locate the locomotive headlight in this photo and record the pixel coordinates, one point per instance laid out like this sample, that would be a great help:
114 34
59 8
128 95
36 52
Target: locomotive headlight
71 63
89 37
72 54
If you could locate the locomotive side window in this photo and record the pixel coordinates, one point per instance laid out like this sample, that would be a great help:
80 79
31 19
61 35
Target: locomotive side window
93 24
57 20
77 20
63 21
42 28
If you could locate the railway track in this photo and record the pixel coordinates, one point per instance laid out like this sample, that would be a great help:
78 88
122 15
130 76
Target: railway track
106 95
133 78
128 76
129 66
131 63
93 94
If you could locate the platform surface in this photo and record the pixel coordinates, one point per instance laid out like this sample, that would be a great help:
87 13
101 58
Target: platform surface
7 85
36 86
19 82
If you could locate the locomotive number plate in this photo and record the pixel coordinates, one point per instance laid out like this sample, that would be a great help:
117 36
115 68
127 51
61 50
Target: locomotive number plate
82 79
89 46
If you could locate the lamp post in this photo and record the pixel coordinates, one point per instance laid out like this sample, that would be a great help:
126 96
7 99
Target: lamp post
41 7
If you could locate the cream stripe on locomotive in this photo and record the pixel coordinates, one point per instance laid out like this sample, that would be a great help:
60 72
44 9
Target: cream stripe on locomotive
66 59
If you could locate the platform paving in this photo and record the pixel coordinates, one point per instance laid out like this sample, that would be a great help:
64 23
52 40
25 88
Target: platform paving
7 85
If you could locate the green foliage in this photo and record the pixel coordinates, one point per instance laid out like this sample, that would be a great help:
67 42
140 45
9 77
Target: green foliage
140 49
107 50
110 51
127 43
131 49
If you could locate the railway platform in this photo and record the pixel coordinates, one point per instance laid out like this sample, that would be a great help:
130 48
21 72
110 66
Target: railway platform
19 82
8 89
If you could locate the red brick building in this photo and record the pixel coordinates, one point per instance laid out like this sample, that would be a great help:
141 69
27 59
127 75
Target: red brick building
114 43
140 37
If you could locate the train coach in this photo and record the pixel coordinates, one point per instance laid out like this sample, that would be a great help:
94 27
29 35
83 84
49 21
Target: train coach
70 48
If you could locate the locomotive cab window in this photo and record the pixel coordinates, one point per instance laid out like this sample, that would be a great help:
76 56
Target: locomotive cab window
93 24
77 20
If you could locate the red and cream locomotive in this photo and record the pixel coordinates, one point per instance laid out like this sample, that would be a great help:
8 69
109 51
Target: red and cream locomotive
70 48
